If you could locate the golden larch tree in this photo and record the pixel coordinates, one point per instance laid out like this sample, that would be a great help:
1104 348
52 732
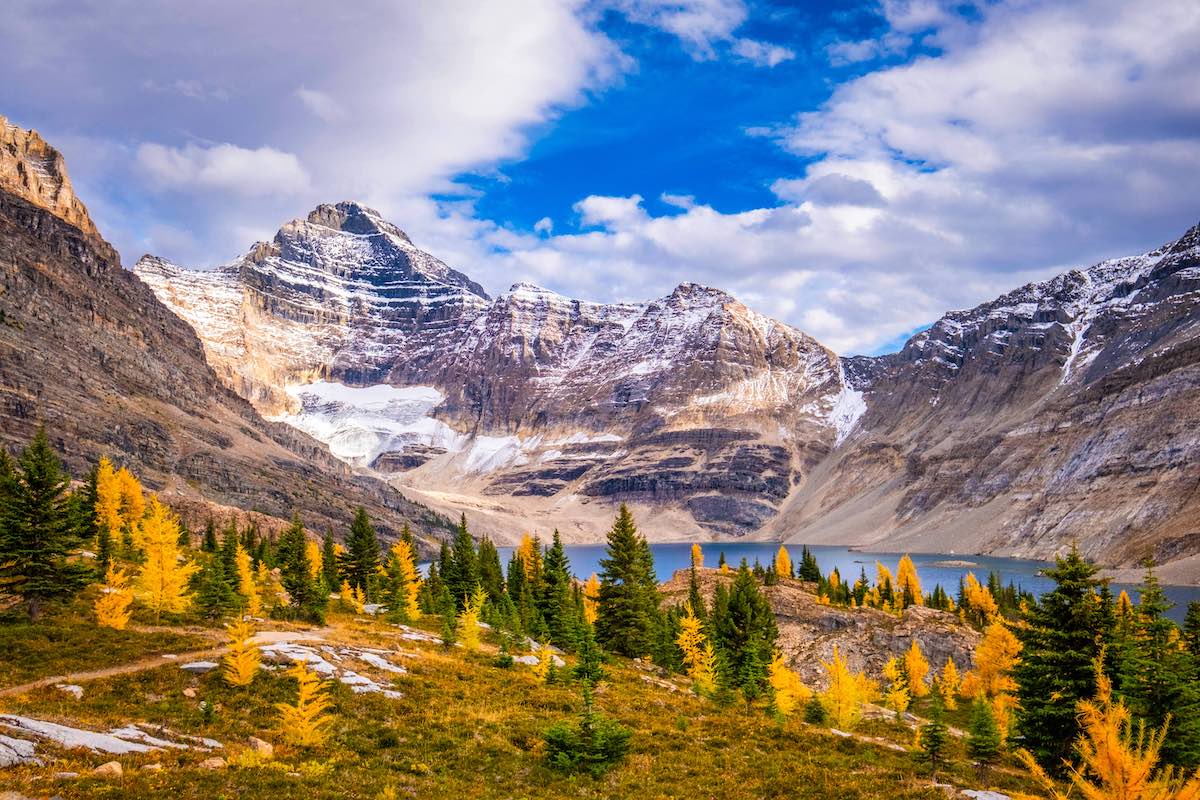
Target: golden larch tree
896 697
591 598
313 551
530 553
848 691
541 670
883 577
108 497
162 585
243 659
917 669
697 556
949 683
468 619
908 583
112 606
305 723
996 656
783 563
983 608
704 671
408 580
247 586
788 690
133 506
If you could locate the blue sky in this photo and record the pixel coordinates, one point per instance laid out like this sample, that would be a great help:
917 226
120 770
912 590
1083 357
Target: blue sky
854 169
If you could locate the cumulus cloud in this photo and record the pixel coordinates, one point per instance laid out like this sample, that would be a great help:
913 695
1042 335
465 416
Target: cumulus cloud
321 104
762 54
227 167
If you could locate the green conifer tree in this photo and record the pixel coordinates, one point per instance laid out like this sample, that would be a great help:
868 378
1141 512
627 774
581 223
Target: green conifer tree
491 575
209 543
37 531
361 559
627 608
557 603
744 632
589 664
934 736
329 565
809 569
461 573
983 739
295 573
214 596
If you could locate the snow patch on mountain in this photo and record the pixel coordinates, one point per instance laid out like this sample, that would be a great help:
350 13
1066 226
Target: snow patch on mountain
847 409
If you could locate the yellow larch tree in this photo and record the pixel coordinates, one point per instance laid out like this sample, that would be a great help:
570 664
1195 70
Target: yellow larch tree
408 580
697 556
162 585
591 598
530 553
995 657
305 723
468 619
949 683
786 686
848 691
724 569
1118 759
313 551
267 584
247 586
908 583
108 497
896 696
983 608
243 659
541 670
699 658
704 671
883 578
835 579
112 606
133 506
917 669
783 564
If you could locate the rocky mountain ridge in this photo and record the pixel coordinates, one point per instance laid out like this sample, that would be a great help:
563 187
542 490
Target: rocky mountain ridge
88 350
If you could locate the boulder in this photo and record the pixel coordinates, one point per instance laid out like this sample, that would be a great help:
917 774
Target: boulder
214 763
110 769
261 747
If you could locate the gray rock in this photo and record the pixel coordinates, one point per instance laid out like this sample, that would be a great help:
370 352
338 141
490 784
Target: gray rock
199 667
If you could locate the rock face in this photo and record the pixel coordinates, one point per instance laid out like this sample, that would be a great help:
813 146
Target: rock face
88 350
342 328
1063 411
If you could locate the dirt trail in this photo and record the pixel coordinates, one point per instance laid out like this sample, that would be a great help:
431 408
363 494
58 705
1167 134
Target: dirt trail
154 662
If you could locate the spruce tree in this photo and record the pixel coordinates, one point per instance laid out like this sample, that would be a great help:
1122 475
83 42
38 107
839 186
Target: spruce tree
462 572
1191 630
295 573
209 543
809 570
589 659
1061 640
744 632
628 604
329 565
557 602
1157 677
983 739
361 559
214 596
37 531
491 575
934 737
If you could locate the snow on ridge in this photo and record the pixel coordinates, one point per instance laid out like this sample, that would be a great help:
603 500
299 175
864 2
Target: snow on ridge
847 409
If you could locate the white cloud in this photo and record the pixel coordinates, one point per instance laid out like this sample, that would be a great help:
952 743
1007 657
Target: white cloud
227 167
763 54
320 104
698 23
543 225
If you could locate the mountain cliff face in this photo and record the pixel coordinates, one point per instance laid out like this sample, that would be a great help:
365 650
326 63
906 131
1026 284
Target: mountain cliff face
692 402
88 350
1063 411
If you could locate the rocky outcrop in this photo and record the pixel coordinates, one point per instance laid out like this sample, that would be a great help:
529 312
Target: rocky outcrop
87 350
866 637
34 171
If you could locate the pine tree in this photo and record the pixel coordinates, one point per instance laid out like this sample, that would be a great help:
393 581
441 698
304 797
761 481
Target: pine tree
214 597
361 558
934 737
744 633
1191 629
983 739
556 603
209 543
243 659
37 532
1061 640
628 603
809 570
1158 677
491 575
295 572
783 564
589 663
229 546
162 585
305 723
112 606
329 564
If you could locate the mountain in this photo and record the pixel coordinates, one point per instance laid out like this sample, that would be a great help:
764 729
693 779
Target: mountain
692 406
88 350
1063 411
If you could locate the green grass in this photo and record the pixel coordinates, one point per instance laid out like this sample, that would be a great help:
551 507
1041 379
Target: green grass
464 728
68 640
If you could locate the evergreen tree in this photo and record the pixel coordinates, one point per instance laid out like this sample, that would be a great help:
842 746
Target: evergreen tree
295 573
214 596
461 573
557 602
185 536
627 609
695 598
983 739
491 575
744 632
229 546
37 531
934 737
1157 677
361 559
329 565
809 570
209 543
1191 630
1061 640
589 658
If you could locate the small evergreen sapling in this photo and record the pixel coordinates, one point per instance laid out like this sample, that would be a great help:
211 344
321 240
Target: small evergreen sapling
934 737
983 740
593 745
